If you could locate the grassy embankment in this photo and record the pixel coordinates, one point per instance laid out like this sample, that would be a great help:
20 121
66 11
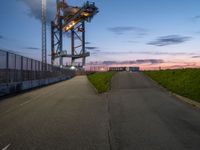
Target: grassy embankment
185 82
101 81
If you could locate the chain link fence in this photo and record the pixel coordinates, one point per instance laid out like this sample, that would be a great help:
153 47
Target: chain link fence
16 68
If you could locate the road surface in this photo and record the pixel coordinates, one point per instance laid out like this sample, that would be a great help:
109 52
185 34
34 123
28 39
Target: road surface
145 117
64 116
135 115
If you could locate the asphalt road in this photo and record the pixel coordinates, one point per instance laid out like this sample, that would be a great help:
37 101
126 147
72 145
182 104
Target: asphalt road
146 117
135 115
64 116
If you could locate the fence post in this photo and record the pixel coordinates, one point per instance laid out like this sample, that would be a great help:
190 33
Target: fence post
35 62
7 67
15 70
27 75
22 68
31 69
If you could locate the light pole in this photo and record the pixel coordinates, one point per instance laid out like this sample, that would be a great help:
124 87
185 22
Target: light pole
44 41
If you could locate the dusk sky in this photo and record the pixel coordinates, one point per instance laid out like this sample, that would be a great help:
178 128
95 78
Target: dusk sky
167 30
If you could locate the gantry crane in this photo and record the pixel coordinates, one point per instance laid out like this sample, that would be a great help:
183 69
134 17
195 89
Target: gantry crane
70 19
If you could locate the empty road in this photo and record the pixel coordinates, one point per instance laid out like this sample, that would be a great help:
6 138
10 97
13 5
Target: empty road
135 115
145 117
65 116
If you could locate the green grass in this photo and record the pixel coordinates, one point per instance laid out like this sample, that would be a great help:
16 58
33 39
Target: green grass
101 81
185 82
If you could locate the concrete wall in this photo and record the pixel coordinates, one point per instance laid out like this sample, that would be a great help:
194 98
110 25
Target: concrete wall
8 88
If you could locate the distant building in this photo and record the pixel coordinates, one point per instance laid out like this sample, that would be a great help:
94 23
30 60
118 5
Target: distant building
97 68
117 68
132 69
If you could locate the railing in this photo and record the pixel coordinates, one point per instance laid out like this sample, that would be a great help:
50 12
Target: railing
16 68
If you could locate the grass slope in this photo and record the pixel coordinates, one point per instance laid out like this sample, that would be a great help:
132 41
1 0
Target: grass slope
101 81
185 82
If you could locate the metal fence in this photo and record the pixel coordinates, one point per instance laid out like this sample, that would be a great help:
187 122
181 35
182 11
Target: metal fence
16 68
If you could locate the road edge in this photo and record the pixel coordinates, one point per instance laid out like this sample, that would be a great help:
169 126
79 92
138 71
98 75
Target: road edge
179 97
92 86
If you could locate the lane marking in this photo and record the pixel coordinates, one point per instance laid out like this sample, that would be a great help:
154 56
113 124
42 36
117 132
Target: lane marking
22 104
50 89
25 102
5 148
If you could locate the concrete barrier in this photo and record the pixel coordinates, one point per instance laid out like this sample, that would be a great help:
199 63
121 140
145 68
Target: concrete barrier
9 88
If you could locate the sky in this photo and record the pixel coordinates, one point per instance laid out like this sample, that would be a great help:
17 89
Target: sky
150 32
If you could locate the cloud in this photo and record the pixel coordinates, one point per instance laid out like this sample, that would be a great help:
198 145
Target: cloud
115 52
87 43
198 56
2 37
14 51
151 61
147 53
120 30
94 50
35 9
198 32
91 48
32 48
164 53
169 40
129 62
196 18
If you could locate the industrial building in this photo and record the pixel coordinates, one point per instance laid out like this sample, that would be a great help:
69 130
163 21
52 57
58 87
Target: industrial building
131 69
117 68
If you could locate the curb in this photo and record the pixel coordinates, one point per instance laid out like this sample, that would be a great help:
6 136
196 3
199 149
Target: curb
187 100
179 97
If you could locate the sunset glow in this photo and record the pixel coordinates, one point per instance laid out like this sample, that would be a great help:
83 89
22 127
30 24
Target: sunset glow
122 31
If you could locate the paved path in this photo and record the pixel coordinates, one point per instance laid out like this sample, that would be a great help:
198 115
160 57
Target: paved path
64 116
135 115
144 117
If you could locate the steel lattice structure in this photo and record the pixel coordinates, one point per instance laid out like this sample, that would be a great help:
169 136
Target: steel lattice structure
70 19
44 34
